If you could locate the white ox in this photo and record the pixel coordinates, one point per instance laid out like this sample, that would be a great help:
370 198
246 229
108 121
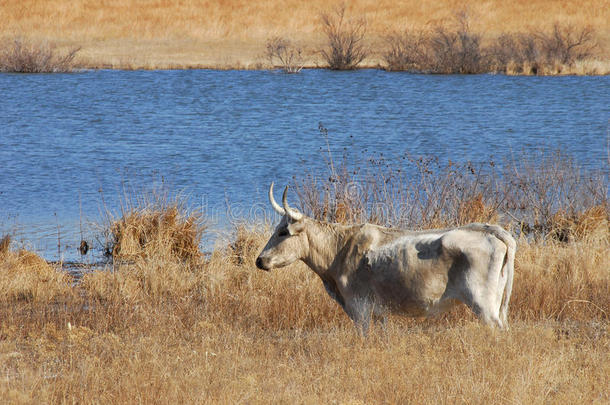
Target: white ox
371 269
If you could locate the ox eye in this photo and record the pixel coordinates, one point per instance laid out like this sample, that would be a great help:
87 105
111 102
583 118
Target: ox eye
283 232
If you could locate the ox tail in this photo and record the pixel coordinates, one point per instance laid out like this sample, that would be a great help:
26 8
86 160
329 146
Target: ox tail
508 266
509 270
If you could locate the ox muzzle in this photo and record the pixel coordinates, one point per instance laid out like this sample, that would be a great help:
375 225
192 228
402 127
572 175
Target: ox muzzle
262 264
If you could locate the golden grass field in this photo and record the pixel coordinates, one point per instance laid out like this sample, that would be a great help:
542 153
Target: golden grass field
232 34
165 324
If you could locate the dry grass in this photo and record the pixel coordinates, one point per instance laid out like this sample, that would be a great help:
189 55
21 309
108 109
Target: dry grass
25 276
155 226
189 33
230 333
156 329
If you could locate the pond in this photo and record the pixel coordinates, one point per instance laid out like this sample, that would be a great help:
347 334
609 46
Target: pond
71 143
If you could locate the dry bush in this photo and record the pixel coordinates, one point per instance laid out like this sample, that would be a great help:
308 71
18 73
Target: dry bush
406 50
155 251
246 246
534 195
457 49
540 52
156 227
405 191
592 223
22 56
516 53
346 48
565 44
282 51
26 276
446 48
543 188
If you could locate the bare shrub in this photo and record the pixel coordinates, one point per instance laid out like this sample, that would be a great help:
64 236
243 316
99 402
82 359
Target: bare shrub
22 56
456 50
444 49
346 48
410 192
545 190
566 44
406 50
539 52
545 195
281 51
513 52
246 246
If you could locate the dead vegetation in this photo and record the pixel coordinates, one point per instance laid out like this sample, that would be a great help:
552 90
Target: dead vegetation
154 328
25 276
130 34
454 47
283 53
345 48
155 226
20 55
540 195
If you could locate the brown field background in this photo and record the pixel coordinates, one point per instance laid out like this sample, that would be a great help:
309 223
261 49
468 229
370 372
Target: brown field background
232 34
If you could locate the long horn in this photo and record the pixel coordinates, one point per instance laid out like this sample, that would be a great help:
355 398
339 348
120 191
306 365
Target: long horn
275 205
293 214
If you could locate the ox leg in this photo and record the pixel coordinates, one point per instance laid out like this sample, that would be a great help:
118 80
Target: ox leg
482 308
359 310
486 314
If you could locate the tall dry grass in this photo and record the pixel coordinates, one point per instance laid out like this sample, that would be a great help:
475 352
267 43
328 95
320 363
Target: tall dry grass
25 276
141 33
155 329
230 333
154 224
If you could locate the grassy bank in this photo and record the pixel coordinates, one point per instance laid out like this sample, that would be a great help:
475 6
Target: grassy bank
164 323
202 34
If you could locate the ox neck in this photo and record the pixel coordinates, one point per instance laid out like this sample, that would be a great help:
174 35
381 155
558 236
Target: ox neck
325 242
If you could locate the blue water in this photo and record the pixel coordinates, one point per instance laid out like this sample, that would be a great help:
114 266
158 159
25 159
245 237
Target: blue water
70 142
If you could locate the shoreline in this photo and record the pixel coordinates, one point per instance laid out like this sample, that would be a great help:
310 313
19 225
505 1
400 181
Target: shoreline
137 35
250 55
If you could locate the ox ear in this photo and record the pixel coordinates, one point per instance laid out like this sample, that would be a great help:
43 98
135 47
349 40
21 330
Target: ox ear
295 227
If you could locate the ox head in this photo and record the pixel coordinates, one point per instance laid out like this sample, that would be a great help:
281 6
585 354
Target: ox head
288 243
